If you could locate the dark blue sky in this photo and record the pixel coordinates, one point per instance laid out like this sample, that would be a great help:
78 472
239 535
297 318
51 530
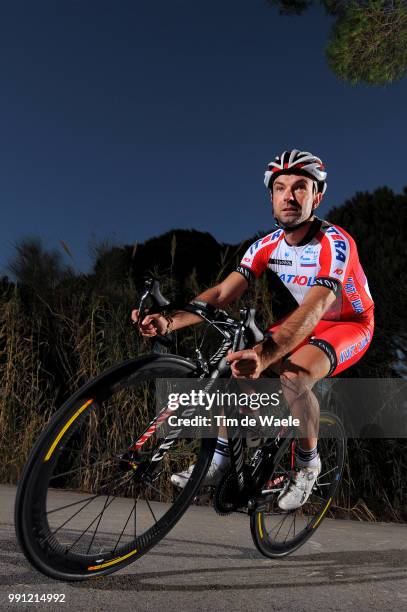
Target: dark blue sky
125 119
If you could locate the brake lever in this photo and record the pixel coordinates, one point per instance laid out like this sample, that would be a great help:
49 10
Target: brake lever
152 291
238 340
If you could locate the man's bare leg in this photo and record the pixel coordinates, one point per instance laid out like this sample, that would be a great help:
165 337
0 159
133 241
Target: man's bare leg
298 375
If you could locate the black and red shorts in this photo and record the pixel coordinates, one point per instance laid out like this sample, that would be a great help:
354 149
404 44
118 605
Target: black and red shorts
344 342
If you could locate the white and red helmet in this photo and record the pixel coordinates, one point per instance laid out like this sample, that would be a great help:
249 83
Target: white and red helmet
297 162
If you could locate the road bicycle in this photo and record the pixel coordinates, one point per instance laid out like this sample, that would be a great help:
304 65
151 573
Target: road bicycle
96 491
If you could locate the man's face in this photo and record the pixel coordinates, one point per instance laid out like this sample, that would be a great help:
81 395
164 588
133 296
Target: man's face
294 197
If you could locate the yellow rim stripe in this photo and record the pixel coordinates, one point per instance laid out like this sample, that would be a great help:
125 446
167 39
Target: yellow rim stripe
65 427
260 525
96 567
327 420
322 515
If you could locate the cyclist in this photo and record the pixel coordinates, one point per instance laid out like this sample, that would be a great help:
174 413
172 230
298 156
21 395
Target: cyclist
321 299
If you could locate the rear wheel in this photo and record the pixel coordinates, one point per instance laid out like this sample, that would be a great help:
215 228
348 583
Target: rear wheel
85 506
276 532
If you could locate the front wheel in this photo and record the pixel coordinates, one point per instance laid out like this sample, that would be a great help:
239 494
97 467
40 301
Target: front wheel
85 505
276 532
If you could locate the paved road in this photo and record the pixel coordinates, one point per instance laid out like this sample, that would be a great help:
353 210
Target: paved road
209 562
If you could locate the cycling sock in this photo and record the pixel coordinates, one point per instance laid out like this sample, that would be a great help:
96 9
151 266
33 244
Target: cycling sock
306 458
221 457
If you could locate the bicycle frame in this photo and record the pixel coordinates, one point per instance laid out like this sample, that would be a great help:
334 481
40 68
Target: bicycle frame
236 336
81 550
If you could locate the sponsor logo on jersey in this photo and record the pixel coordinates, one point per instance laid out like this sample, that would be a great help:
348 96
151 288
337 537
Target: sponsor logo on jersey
353 295
262 241
309 250
329 283
276 234
309 257
248 274
254 247
338 271
354 349
297 279
281 262
339 244
308 262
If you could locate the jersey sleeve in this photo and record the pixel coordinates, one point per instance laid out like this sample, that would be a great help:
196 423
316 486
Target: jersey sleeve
254 261
334 259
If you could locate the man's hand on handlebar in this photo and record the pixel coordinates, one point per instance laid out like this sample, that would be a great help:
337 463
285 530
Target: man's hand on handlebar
152 325
245 364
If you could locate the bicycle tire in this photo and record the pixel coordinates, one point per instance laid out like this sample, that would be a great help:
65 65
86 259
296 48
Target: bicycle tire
266 522
62 441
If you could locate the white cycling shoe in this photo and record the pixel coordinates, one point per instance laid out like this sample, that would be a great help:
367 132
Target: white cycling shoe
212 478
299 487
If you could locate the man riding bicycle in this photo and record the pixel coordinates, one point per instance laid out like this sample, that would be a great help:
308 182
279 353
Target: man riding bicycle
322 302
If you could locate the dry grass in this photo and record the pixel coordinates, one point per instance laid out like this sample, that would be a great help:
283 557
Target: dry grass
51 344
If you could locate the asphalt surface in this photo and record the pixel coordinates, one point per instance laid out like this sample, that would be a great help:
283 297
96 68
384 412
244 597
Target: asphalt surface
209 562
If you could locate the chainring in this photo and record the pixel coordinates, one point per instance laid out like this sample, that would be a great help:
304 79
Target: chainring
225 499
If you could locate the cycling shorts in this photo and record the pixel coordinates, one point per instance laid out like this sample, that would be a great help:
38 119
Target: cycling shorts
344 342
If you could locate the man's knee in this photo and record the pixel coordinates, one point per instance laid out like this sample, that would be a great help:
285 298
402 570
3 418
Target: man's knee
292 373
295 380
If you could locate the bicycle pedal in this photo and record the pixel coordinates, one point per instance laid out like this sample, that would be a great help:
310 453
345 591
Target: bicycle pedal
202 499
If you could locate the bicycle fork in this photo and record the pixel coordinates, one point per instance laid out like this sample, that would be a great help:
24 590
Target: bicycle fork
130 459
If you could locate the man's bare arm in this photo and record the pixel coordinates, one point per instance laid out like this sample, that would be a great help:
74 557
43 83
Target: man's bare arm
297 326
219 296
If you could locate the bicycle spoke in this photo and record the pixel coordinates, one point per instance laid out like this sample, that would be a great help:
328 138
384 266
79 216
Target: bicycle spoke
51 534
328 472
289 530
79 469
85 502
288 533
86 507
125 525
135 518
70 505
327 457
281 524
97 524
313 494
150 486
117 483
151 510
90 524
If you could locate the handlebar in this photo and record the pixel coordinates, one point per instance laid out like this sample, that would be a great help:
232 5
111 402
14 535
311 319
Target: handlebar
248 333
158 302
242 333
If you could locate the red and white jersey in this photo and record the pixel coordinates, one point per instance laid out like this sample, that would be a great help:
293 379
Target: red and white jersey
327 256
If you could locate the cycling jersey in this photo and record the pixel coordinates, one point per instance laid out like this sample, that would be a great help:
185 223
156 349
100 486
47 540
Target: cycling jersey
327 256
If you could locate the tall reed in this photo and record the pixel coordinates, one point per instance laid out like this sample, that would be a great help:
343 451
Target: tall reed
53 343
